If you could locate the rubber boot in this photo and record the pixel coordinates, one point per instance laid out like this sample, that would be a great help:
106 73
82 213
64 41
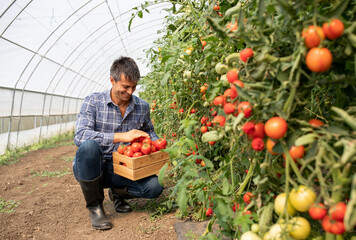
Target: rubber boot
118 196
94 197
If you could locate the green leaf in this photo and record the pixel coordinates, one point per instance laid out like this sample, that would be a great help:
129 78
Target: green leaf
226 188
339 9
130 22
182 199
140 14
165 78
161 174
306 139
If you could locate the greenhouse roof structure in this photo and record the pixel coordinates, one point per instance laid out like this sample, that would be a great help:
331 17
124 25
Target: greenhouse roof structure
55 52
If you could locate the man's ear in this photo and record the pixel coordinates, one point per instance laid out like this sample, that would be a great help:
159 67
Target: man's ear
112 80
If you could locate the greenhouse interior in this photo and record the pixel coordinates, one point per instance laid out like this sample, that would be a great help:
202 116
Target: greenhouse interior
235 120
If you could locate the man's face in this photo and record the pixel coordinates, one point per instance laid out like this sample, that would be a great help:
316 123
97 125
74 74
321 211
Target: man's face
122 90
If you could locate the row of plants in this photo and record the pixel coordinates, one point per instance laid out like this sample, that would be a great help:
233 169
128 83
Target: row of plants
257 102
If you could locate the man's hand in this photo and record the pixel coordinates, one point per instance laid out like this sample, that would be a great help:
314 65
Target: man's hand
130 136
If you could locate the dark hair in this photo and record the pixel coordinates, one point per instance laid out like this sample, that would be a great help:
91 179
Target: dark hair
126 66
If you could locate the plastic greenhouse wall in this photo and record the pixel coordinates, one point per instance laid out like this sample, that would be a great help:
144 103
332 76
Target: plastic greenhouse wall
54 53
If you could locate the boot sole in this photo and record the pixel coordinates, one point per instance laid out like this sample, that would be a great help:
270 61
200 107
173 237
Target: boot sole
102 228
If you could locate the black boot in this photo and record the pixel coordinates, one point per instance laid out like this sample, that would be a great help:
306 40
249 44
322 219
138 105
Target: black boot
118 196
94 196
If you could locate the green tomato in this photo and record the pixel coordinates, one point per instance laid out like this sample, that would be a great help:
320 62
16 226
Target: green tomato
250 236
255 228
302 198
299 228
280 204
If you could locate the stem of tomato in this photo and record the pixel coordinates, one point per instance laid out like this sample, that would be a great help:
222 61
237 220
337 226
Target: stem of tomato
324 190
196 19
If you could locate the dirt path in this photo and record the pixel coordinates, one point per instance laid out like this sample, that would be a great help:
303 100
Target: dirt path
54 207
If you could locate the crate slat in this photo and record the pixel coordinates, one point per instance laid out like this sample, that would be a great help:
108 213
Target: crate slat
140 167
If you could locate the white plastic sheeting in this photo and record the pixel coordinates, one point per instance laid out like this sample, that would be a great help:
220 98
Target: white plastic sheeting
55 52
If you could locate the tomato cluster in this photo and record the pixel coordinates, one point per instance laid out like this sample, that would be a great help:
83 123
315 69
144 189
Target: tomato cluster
142 146
334 221
319 59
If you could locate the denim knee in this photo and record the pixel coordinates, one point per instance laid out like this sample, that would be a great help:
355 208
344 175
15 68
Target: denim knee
152 188
87 160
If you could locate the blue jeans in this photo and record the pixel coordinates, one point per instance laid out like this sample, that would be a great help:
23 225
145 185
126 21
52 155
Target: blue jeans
88 165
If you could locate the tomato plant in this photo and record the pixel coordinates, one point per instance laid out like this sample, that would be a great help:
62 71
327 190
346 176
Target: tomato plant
286 80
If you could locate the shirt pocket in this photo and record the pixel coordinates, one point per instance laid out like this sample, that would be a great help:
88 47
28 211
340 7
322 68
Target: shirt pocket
135 125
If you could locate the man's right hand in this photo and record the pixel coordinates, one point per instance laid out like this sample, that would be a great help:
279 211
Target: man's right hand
130 136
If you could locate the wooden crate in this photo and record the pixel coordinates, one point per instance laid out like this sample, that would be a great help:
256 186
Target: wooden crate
140 167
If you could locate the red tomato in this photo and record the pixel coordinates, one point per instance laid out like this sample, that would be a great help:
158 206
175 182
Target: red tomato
334 29
246 54
276 127
337 212
128 153
319 59
146 149
212 143
232 76
332 226
235 206
248 212
238 83
204 119
313 35
229 108
317 211
209 124
136 147
245 107
147 140
204 129
160 144
230 93
258 144
153 149
247 197
209 212
197 161
137 154
220 120
216 8
315 123
219 100
296 152
249 128
121 149
259 131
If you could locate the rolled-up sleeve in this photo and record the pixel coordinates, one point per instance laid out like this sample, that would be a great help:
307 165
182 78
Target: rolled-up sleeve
85 125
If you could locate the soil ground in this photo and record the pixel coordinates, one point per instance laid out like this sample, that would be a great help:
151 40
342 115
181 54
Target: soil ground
53 207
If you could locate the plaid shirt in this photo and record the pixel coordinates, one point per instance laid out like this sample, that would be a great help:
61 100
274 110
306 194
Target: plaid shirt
100 118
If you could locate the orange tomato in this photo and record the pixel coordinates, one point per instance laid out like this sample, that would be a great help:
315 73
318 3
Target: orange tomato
319 59
313 35
231 27
315 122
334 29
276 127
270 144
